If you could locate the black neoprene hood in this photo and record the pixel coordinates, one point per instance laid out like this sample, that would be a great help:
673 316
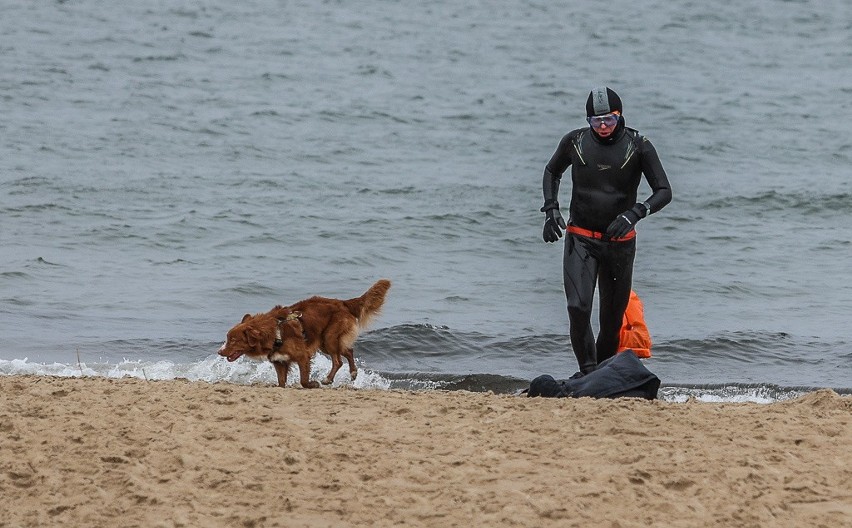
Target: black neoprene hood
602 100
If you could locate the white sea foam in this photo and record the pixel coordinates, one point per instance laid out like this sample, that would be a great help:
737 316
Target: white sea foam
729 394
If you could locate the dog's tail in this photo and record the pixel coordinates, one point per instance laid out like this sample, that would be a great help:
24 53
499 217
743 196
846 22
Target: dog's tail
367 306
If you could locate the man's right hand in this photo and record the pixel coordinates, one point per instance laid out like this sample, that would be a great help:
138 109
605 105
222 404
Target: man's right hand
553 225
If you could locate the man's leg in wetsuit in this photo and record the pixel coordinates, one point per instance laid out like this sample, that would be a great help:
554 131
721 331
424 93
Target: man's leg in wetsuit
579 272
615 281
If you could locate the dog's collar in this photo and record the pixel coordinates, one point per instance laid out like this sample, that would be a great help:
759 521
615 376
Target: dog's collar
292 316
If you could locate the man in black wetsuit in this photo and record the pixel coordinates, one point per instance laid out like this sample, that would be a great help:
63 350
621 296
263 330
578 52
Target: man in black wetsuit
607 162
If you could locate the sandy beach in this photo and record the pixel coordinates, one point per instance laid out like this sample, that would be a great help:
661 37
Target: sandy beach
105 452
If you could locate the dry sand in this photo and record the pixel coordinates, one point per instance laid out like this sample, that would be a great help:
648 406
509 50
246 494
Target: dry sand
101 452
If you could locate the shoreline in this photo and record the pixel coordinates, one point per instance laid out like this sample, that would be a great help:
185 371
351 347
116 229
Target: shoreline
106 452
261 373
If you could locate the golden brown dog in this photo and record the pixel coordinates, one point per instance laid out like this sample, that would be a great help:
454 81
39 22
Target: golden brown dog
293 334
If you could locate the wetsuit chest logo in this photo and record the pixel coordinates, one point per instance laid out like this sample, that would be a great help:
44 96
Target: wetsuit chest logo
602 167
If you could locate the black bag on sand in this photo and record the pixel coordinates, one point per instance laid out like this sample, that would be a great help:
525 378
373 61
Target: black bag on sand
622 375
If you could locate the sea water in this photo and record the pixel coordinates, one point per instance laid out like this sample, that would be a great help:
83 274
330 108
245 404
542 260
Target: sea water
167 167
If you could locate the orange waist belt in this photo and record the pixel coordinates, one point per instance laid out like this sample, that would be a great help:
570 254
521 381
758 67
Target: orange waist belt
574 230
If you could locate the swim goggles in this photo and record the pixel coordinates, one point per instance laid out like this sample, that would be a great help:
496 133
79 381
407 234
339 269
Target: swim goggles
610 120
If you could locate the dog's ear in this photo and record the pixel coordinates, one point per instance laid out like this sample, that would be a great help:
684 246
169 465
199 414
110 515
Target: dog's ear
253 340
246 317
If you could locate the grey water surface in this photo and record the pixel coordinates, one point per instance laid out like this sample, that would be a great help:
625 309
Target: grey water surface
166 167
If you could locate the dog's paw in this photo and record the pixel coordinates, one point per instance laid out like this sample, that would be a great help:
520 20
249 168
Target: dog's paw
327 381
353 374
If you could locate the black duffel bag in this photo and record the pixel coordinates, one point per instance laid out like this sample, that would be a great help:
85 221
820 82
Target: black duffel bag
620 376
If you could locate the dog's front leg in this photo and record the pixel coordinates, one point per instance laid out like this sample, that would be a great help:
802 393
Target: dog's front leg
305 374
281 370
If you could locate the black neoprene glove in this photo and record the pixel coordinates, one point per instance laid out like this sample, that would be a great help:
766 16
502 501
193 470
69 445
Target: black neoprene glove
553 222
626 221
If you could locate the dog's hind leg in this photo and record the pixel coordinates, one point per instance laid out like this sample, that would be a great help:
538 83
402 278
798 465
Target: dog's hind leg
336 363
281 370
350 358
343 346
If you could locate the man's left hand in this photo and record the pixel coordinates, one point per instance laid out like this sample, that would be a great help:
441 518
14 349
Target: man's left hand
626 221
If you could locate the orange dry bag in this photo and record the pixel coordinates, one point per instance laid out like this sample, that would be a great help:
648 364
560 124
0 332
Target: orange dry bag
634 333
